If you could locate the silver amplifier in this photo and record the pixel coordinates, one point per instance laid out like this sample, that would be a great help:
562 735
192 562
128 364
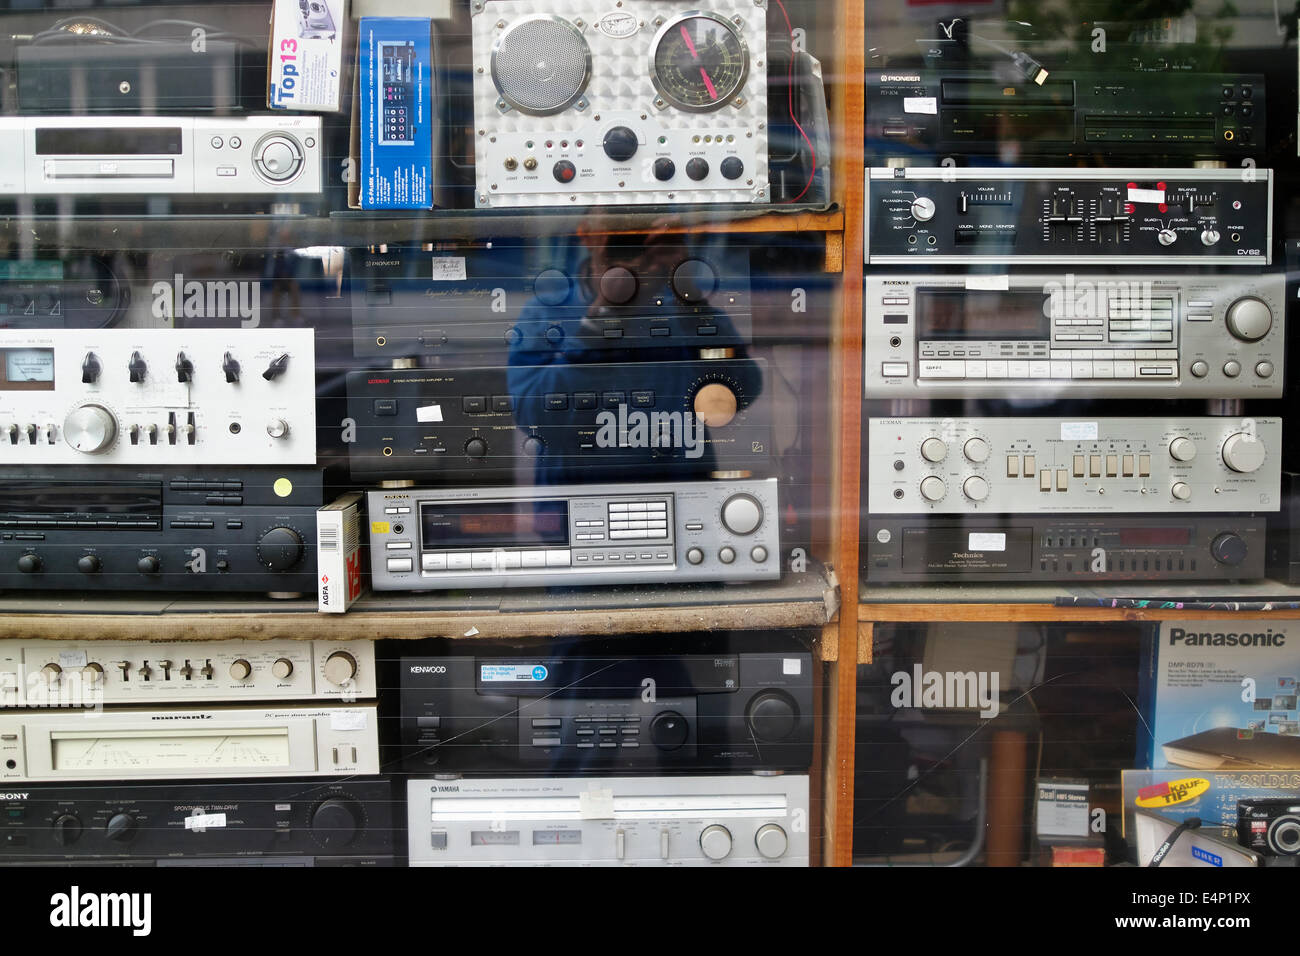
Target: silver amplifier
158 396
72 673
583 103
1068 336
641 533
267 155
179 743
1038 465
610 821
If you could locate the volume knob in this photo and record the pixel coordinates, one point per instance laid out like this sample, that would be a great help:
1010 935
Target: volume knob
715 404
336 822
340 667
279 549
715 842
934 450
1244 453
1249 319
90 429
742 514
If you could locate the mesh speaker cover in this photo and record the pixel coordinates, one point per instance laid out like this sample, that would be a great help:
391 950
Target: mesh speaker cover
541 65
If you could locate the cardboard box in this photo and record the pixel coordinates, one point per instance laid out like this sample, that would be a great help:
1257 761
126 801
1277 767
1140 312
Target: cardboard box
1178 794
395 128
305 57
339 566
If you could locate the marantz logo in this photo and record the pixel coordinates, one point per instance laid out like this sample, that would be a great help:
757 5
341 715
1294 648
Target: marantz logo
182 717
14 796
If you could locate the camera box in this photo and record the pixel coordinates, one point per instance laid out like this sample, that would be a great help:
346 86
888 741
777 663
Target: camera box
305 57
339 567
1177 794
395 129
1219 695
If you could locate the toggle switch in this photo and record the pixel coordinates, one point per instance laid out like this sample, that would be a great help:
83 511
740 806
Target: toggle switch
230 367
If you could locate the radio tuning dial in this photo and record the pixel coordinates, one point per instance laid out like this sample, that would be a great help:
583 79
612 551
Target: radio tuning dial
1244 453
923 209
336 822
90 429
715 842
715 404
121 827
933 489
975 488
279 549
1166 237
742 514
1182 449
934 450
340 667
976 450
67 829
1249 319
241 670
771 841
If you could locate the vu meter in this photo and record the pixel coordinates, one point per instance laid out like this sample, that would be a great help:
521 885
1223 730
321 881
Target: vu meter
29 365
699 61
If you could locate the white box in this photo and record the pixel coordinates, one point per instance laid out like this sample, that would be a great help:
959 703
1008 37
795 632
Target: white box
339 579
305 57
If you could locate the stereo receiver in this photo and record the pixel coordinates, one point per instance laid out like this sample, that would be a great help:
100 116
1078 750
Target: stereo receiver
86 528
1193 115
610 821
1096 336
158 396
578 104
189 742
1069 548
1069 216
558 422
534 299
71 673
642 533
749 711
281 823
273 155
1035 465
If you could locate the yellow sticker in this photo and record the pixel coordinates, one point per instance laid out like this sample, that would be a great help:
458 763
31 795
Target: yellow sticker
379 527
283 487
1172 792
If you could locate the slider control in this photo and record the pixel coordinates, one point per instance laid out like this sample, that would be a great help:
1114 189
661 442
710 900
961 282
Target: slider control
137 368
276 368
90 369
231 367
184 368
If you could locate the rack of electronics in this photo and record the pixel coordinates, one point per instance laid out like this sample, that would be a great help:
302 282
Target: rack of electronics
344 315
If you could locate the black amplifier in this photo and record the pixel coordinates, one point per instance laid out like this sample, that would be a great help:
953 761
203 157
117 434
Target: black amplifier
558 423
1075 548
1189 115
77 293
611 712
286 823
540 299
86 528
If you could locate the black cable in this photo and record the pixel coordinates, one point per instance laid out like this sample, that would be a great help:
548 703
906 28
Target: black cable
1191 823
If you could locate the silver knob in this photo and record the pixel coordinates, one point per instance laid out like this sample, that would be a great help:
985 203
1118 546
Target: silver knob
934 450
1249 319
1182 490
340 667
92 673
1182 449
933 489
277 157
1244 453
241 669
90 429
695 556
282 668
771 841
1264 369
758 554
277 428
975 488
923 209
1209 237
742 514
50 673
715 842
976 450
1166 237
1200 369
727 555
1232 368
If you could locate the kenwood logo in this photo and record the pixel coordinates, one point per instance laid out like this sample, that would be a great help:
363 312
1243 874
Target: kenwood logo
14 796
429 670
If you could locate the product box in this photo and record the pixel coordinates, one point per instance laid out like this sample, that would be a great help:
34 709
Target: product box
1178 794
395 130
305 58
1221 695
339 566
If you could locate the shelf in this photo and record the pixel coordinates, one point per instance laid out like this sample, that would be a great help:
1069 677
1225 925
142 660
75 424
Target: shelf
1037 602
799 600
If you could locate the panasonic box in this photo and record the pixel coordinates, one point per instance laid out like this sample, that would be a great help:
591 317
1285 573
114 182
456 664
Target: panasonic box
1221 695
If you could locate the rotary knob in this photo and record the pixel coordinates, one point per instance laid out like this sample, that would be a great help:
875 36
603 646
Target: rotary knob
1181 490
277 157
933 489
50 673
90 429
742 514
1182 449
1166 237
551 287
1228 548
149 564
695 556
732 167
976 450
1249 319
727 555
280 549
664 169
669 730
1244 453
715 404
771 841
772 715
715 842
121 827
30 563
534 446
89 564
336 822
1209 237
620 144
92 673
476 448
282 668
241 670
66 829
1200 369
934 450
277 428
923 209
975 488
697 168
618 285
694 280
340 668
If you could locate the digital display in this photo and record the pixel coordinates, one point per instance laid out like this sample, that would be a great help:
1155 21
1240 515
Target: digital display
1149 537
109 141
19 498
31 270
25 368
498 524
963 314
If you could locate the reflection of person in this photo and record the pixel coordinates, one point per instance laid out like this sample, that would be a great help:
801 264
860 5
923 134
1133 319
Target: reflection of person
561 330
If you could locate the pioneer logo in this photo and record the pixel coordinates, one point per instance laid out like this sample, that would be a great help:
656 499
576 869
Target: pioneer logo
14 796
1268 638
900 78
76 909
438 669
208 300
375 263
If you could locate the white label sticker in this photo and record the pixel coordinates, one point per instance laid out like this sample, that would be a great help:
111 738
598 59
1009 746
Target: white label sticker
347 720
596 804
1062 809
199 822
791 666
429 413
992 283
1078 431
928 105
987 541
448 268
72 658
490 673
1146 195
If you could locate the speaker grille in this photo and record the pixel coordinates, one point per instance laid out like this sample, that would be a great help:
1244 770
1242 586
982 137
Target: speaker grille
541 65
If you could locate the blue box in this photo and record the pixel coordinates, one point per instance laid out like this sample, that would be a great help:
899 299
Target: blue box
394 116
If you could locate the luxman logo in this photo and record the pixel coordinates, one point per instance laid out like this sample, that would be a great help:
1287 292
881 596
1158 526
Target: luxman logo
654 430
75 909
208 300
1267 638
946 691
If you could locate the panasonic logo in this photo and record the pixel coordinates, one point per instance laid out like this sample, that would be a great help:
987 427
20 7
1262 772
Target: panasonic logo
14 796
1267 638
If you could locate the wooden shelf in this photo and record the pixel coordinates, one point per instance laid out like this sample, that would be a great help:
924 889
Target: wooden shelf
799 600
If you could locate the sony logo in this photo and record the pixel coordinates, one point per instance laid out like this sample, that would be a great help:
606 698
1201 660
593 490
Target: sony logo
14 796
